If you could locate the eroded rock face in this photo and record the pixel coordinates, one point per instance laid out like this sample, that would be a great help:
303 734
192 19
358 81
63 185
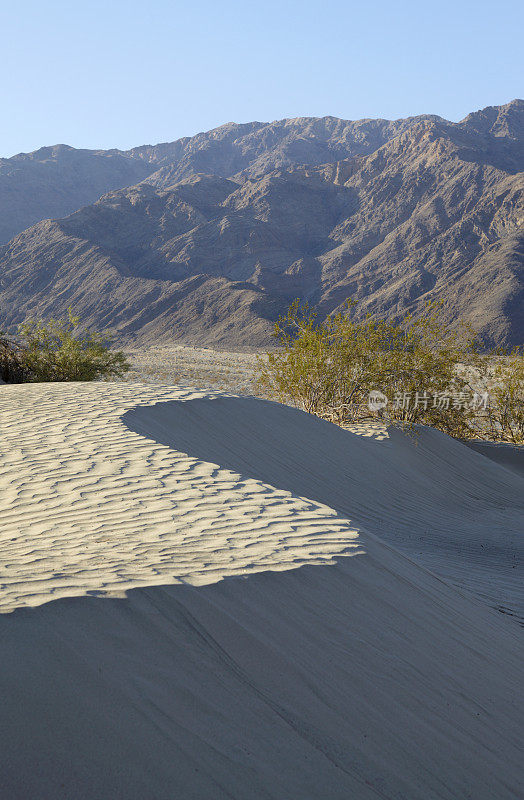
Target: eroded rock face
419 209
55 181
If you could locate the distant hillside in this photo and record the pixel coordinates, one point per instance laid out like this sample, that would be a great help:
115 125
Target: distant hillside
391 214
55 181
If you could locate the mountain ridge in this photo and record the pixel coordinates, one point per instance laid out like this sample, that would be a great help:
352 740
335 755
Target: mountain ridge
433 213
32 184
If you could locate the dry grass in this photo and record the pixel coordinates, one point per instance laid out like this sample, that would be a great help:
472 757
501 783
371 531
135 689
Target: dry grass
198 367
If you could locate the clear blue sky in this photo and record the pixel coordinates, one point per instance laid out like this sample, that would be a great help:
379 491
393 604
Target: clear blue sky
118 74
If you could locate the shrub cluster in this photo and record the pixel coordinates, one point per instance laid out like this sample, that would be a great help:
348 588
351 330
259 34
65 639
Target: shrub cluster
428 373
58 351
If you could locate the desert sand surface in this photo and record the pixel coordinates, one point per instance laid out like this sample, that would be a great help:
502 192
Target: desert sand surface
510 456
189 366
208 596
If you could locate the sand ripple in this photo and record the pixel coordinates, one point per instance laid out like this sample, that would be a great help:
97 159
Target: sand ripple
91 507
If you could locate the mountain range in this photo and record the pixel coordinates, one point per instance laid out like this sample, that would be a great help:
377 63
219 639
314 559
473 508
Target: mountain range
208 238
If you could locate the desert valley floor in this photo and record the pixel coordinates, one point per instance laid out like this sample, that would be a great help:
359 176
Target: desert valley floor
208 596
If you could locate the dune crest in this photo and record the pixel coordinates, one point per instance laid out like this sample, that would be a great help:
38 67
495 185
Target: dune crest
457 513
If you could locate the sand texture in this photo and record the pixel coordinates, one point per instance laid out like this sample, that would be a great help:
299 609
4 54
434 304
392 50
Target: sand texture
251 603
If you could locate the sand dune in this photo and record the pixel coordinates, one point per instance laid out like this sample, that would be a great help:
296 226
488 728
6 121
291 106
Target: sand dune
457 512
323 623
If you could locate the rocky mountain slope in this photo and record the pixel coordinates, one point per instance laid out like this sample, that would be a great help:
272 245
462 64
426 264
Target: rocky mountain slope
419 209
55 181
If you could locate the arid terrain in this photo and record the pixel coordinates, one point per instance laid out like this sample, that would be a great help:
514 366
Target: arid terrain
213 596
233 224
195 366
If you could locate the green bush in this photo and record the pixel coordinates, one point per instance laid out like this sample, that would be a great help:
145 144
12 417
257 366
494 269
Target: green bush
429 373
57 351
502 373
11 368
328 368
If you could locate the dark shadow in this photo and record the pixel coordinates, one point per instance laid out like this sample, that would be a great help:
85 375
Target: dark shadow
261 688
451 509
507 455
309 457
270 442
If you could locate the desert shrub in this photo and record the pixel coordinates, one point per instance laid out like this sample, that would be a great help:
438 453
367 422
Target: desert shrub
424 378
58 351
501 375
12 369
326 368
429 373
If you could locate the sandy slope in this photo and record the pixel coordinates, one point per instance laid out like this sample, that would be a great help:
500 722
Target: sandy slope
508 455
364 676
457 512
